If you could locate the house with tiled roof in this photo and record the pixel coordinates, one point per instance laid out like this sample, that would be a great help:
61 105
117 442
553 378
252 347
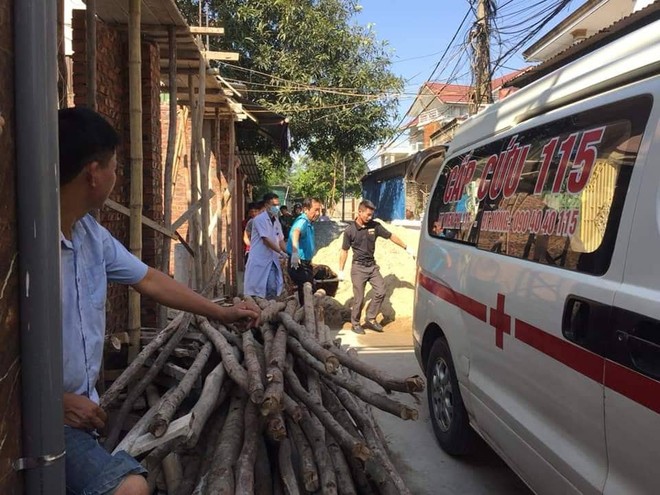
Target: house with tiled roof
401 185
438 104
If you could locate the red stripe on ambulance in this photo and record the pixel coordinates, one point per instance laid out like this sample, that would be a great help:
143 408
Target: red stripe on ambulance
634 385
587 363
627 382
461 301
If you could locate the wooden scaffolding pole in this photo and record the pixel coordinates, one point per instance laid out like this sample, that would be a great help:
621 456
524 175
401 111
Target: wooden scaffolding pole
203 225
169 166
205 158
135 113
193 224
90 53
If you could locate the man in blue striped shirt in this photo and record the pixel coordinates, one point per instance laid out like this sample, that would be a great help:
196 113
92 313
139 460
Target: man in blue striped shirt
90 258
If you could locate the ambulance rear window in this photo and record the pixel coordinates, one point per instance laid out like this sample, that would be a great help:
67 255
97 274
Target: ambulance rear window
552 194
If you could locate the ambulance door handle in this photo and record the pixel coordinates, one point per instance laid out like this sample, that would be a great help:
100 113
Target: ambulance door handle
643 353
584 321
576 318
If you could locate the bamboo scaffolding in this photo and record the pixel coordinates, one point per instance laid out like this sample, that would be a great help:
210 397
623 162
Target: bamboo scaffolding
169 162
135 114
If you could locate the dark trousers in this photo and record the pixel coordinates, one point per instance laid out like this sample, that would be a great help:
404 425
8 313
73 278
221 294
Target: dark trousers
360 275
304 273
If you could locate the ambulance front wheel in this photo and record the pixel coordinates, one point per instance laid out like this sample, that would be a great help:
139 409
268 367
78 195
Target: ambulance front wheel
448 415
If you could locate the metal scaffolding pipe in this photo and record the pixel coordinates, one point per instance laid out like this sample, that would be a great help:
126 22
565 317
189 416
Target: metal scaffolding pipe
35 24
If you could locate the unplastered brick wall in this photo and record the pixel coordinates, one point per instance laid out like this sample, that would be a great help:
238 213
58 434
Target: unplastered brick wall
181 195
181 171
228 233
113 103
428 130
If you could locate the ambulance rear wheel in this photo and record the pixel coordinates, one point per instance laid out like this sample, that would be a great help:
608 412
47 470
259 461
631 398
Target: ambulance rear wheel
448 415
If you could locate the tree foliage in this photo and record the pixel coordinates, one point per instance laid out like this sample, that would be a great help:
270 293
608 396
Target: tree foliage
309 60
324 179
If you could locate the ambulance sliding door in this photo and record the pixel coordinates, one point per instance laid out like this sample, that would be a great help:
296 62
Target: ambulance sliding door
632 366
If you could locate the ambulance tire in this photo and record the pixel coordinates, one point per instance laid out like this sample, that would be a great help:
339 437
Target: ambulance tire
449 418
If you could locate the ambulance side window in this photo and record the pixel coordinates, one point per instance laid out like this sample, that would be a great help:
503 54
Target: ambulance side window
552 194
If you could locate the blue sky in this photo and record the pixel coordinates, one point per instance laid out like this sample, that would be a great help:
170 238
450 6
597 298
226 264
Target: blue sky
418 31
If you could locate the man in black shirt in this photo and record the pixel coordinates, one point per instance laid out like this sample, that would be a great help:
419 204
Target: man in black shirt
361 236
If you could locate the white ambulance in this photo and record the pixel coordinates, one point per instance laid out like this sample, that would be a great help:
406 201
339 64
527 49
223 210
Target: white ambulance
537 306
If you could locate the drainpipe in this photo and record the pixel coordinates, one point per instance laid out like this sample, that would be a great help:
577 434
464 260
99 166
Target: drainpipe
35 87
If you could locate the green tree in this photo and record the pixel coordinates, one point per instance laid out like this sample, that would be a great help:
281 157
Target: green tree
323 179
309 60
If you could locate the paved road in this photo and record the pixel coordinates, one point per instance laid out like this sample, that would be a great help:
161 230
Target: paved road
425 467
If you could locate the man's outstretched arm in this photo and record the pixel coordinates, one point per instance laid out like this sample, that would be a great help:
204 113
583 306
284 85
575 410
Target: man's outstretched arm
173 294
399 242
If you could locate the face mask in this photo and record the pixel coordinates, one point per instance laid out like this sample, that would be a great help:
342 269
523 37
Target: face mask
275 211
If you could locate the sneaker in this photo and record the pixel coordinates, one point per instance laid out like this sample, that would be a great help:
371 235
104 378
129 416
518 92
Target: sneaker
358 329
373 325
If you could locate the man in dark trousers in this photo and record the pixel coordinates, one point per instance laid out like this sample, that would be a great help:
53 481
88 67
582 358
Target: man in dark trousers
361 236
301 245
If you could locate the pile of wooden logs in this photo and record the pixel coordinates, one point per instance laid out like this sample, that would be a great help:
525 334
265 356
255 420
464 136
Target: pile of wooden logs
283 408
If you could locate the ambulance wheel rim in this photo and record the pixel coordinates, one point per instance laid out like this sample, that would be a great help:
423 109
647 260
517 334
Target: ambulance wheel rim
442 395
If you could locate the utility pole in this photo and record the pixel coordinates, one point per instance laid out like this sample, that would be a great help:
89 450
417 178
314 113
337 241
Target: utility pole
343 189
480 40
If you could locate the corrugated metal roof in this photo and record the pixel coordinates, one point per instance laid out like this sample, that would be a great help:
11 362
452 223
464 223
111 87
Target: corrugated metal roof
249 167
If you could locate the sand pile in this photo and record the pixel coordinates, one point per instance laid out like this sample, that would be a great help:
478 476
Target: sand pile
396 266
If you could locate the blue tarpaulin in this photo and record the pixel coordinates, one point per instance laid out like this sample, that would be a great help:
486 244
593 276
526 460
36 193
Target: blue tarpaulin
389 197
386 186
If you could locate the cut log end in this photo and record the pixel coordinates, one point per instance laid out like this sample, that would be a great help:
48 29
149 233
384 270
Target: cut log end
361 451
408 413
311 481
415 384
158 427
332 365
270 405
275 428
257 396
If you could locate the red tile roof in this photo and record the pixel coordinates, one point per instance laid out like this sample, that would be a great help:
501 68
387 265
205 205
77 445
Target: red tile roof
499 82
458 93
450 93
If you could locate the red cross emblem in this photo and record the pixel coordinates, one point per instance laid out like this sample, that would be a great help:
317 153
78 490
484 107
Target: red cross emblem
501 321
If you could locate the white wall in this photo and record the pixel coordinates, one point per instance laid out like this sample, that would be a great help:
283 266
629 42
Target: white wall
640 4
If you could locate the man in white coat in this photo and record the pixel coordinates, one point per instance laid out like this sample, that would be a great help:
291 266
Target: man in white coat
263 272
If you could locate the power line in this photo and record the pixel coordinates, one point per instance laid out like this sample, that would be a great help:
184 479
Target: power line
298 84
437 65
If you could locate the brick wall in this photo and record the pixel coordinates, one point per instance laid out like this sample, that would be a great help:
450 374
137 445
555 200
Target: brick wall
229 224
10 385
219 136
113 101
428 130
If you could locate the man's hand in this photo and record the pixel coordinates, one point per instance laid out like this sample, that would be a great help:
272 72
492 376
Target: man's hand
295 260
244 312
80 412
283 255
411 251
340 275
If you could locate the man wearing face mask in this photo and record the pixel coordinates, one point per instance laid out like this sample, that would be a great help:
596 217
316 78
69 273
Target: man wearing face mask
263 272
301 245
